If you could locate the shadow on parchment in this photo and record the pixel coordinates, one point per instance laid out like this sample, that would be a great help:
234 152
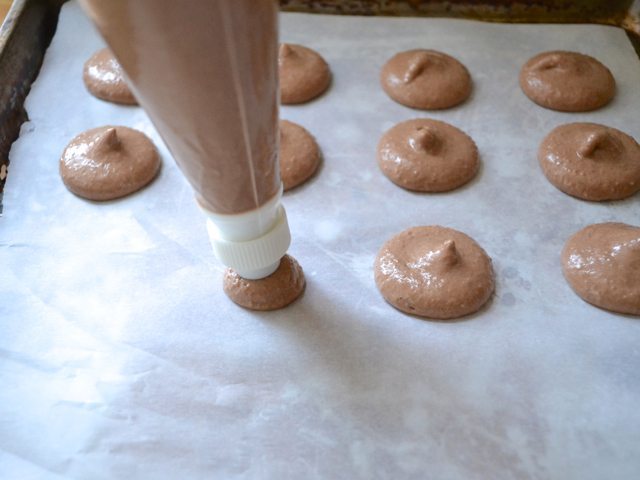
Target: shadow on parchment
360 350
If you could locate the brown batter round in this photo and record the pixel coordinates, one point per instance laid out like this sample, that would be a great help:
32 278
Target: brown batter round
567 81
304 74
434 272
299 154
426 79
108 162
104 79
276 291
591 161
427 156
602 264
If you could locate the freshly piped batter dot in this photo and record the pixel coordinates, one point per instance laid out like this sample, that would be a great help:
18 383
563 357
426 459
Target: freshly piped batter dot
426 79
108 162
434 272
591 161
567 81
299 154
304 74
427 156
104 78
276 291
601 263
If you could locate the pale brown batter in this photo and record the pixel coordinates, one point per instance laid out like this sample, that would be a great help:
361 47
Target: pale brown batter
304 74
434 272
426 79
602 264
108 162
591 161
299 154
276 291
104 78
427 156
567 81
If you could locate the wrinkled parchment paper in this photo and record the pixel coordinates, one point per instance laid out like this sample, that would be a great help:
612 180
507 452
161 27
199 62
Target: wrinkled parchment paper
120 356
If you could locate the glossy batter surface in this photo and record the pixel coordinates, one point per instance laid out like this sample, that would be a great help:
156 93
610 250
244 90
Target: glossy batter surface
601 263
567 81
304 74
104 78
276 291
299 154
427 156
108 162
591 161
426 79
434 272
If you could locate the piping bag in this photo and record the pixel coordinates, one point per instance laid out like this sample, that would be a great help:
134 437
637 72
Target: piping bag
206 73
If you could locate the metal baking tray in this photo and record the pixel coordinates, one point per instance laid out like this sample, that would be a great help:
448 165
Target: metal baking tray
24 37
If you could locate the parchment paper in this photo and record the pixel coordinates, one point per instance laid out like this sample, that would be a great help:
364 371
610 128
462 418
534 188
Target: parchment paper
120 356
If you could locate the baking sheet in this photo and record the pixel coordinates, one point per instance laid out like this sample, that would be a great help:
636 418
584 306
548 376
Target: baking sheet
120 356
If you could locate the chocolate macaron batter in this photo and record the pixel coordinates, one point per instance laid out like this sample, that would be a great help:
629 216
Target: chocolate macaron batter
207 75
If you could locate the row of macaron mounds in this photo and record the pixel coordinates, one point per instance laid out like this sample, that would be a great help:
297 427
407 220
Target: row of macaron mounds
585 160
430 80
